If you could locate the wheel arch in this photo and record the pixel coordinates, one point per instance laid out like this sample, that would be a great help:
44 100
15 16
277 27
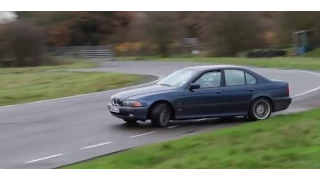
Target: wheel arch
265 97
154 104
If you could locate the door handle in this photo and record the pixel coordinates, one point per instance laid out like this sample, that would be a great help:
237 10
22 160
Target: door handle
218 92
251 90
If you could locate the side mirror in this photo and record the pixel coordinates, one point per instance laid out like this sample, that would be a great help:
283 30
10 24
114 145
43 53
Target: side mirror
194 86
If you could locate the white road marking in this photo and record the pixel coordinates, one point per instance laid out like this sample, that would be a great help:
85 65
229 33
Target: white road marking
138 135
96 145
172 126
48 157
309 91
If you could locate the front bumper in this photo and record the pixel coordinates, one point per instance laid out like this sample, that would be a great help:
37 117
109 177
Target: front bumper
136 113
280 104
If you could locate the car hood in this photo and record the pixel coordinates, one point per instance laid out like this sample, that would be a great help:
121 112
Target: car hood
143 91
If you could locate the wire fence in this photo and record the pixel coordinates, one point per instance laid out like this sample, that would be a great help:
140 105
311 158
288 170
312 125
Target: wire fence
108 53
83 52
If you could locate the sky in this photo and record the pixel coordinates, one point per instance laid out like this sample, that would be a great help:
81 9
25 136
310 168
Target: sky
7 16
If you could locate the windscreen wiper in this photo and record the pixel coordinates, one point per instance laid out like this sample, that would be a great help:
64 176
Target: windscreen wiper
166 85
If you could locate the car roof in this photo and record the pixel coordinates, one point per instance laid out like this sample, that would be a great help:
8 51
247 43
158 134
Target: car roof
213 67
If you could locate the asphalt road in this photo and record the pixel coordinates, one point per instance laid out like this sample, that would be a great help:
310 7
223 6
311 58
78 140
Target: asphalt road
53 133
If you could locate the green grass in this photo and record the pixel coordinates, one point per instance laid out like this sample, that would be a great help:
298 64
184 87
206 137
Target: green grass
65 62
21 85
313 53
284 62
287 141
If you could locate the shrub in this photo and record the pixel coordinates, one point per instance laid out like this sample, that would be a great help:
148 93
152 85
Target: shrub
23 44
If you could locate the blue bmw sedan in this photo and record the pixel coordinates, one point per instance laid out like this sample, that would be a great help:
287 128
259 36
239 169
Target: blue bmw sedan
203 92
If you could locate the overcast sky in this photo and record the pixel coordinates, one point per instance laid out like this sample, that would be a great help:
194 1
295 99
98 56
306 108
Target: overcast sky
7 16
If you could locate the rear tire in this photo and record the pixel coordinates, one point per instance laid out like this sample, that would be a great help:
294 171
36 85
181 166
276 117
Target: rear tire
260 109
130 121
160 115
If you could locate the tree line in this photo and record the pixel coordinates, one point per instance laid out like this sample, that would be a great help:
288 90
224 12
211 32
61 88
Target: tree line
24 41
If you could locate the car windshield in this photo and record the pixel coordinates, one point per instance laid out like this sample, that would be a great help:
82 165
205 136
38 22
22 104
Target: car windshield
177 78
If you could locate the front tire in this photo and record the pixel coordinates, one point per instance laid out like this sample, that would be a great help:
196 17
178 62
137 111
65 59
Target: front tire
260 109
160 115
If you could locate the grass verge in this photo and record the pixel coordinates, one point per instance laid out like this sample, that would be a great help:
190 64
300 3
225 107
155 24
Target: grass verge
313 53
284 62
287 141
21 85
65 62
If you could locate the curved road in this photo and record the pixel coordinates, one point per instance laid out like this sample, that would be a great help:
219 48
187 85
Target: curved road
53 133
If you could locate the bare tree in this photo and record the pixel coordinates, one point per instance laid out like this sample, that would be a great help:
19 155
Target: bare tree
161 29
26 43
194 22
232 32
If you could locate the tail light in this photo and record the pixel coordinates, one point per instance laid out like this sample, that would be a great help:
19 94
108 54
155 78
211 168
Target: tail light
288 90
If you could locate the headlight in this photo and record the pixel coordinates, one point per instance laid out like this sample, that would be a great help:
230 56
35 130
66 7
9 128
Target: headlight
132 103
